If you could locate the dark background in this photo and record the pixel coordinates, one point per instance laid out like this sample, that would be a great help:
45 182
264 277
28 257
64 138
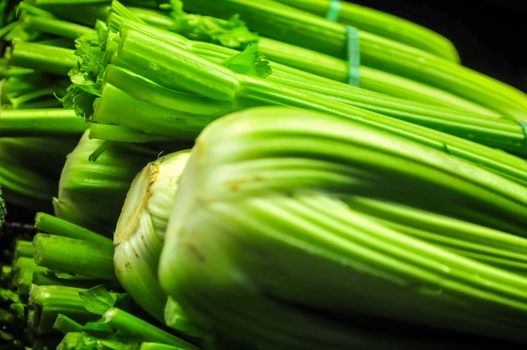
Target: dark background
490 35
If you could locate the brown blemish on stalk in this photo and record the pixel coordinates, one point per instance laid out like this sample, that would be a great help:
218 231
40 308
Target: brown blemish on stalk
234 185
130 222
196 252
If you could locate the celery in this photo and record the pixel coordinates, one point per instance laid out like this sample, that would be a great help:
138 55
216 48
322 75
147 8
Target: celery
286 23
50 301
50 59
169 66
23 248
40 122
54 26
56 226
301 58
74 256
134 326
261 227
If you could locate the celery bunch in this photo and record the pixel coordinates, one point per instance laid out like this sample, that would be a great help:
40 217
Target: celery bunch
279 21
268 223
115 71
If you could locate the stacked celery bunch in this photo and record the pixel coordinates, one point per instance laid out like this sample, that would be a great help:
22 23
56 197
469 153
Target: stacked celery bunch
238 174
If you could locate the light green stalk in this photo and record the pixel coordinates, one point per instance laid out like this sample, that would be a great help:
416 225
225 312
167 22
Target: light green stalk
53 225
40 122
74 256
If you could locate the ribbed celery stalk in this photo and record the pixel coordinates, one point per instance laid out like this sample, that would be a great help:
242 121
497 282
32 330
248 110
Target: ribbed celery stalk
371 79
92 189
286 23
47 223
45 58
501 133
12 71
82 12
404 111
382 24
54 26
40 122
261 227
74 256
139 237
118 329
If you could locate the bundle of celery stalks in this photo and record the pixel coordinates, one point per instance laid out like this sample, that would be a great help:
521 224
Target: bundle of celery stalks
241 174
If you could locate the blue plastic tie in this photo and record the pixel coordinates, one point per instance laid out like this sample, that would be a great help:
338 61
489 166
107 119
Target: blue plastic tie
353 56
352 44
333 10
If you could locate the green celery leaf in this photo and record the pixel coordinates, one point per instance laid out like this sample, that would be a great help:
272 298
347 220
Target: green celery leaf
85 76
249 62
98 299
231 33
